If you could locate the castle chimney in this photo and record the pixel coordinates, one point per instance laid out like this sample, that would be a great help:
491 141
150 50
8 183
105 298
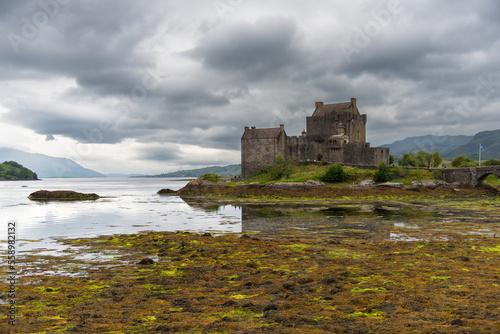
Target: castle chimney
246 128
253 127
354 106
318 104
304 133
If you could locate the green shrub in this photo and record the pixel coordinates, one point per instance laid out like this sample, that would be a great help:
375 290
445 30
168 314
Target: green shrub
400 172
463 162
408 159
383 173
211 177
334 173
417 174
491 162
437 174
356 174
282 168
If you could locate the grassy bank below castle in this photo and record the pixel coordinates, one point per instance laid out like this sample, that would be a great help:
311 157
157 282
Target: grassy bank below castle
300 173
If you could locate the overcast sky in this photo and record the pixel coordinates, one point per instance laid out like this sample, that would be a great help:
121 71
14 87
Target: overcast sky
155 86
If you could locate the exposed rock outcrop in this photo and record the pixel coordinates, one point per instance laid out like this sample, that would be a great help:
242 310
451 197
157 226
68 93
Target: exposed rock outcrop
167 192
315 189
61 195
396 185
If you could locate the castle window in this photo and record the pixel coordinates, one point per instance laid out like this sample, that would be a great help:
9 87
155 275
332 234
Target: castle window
345 141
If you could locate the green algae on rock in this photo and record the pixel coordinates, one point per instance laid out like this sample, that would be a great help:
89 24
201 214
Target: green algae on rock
61 195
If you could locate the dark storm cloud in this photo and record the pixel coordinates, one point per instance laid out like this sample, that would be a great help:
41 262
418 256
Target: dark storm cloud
72 126
94 42
260 65
256 50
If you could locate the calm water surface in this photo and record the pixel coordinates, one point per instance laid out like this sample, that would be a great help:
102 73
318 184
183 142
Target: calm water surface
129 205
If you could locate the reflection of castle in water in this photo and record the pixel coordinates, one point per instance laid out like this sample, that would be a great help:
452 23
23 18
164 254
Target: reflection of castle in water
361 222
218 218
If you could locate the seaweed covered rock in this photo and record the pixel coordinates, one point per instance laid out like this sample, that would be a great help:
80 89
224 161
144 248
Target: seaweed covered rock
61 195
167 192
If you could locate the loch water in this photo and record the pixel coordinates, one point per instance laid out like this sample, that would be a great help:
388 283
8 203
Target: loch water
132 205
128 205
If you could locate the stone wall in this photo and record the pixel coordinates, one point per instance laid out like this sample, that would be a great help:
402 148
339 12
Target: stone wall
353 125
362 154
256 154
470 176
260 148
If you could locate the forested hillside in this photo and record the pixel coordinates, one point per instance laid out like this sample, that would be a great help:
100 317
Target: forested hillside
11 170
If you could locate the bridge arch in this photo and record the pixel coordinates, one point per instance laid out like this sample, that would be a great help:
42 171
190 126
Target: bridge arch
469 176
483 176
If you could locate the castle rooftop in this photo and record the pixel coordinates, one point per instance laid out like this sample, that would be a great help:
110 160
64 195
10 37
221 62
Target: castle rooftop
335 108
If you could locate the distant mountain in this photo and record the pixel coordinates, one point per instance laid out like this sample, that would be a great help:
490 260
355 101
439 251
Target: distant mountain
124 175
230 170
442 144
46 166
451 147
490 140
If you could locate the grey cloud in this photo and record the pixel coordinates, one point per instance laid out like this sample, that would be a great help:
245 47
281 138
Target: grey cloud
192 99
257 49
83 40
72 126
165 153
263 65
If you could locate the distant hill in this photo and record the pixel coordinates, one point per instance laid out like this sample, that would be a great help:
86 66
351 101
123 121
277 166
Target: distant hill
230 170
124 175
491 144
451 147
11 170
442 144
46 166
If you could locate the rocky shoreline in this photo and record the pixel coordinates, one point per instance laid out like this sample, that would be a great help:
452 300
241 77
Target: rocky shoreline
316 189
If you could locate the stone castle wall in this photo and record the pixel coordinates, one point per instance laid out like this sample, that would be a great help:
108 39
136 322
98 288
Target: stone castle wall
335 133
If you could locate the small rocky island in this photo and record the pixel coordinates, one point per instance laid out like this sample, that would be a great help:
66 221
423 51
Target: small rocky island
61 195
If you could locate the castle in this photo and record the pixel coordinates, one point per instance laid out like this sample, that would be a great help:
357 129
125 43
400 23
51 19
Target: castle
334 132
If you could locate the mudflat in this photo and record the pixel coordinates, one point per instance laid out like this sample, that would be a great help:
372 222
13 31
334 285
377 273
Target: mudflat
441 282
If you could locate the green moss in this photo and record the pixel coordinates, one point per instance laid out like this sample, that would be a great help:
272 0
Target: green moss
240 297
487 249
367 314
211 177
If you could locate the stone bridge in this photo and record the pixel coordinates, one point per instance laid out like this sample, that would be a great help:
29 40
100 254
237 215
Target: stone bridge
469 176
